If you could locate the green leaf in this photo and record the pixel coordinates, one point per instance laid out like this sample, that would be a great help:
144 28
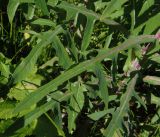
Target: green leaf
17 130
81 67
52 2
99 5
111 7
147 4
133 15
6 110
139 100
60 131
129 60
4 124
21 90
25 67
155 100
54 98
42 5
153 80
11 9
64 59
46 128
38 112
88 32
73 10
117 117
17 94
97 115
75 105
5 72
150 25
103 89
108 41
72 45
31 9
155 118
41 22
155 57
154 22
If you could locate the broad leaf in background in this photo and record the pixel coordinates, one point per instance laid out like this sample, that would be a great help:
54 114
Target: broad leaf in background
22 89
6 110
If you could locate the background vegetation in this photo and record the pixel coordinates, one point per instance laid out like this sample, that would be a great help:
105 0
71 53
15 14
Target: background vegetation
79 68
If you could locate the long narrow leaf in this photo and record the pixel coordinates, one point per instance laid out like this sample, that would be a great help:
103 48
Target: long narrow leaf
87 33
25 67
112 6
12 7
76 104
153 80
119 113
73 10
62 54
103 89
52 85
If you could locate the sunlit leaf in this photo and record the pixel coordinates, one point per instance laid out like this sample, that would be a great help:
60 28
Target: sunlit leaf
153 80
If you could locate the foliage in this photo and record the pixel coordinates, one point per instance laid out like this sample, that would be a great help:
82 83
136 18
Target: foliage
79 68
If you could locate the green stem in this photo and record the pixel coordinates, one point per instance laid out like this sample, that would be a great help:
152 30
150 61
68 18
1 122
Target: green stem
60 131
50 119
2 22
11 26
